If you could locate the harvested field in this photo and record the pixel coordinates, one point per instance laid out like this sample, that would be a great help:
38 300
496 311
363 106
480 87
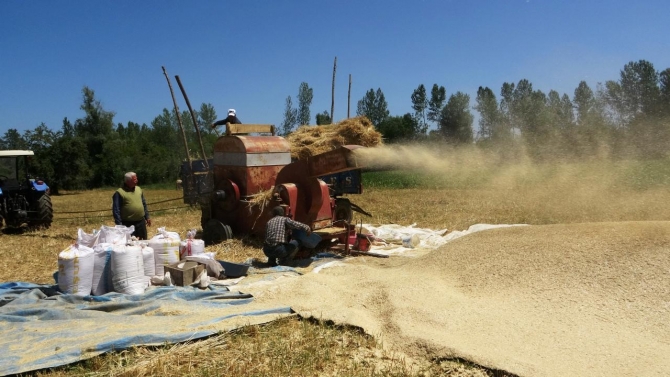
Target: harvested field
583 292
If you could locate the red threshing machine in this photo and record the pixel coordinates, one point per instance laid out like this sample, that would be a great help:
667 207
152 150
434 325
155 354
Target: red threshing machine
250 161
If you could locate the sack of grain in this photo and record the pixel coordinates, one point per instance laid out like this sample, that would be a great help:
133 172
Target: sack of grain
149 260
75 270
102 269
166 249
117 234
128 270
87 239
191 247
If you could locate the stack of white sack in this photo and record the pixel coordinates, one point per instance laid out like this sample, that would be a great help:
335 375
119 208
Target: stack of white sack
75 270
166 250
128 270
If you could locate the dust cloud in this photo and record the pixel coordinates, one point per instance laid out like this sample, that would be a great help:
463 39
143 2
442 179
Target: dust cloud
483 167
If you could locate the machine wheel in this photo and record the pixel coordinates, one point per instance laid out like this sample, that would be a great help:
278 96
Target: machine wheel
343 210
45 213
216 232
205 214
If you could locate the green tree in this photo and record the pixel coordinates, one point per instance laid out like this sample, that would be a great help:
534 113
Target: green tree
96 126
436 103
456 119
664 99
637 92
419 104
40 141
305 96
561 110
373 105
323 118
12 140
584 102
70 161
490 117
399 128
290 117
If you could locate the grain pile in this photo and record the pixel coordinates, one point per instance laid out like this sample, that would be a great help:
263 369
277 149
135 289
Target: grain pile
308 141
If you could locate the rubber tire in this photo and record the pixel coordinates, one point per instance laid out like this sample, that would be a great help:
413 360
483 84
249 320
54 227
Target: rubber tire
215 232
205 214
343 210
45 213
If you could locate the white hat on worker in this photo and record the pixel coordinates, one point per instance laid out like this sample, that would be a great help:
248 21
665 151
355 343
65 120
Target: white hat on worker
231 112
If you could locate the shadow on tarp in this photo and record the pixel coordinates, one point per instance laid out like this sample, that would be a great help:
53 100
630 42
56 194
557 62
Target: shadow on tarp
42 328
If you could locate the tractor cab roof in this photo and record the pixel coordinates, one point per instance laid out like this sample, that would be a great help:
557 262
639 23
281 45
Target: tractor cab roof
13 153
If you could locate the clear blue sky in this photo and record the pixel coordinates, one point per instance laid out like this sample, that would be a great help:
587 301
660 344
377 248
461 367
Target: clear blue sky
250 55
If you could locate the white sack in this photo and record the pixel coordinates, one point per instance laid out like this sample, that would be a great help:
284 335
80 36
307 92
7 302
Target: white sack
118 234
149 261
75 270
191 247
102 269
166 249
128 270
87 239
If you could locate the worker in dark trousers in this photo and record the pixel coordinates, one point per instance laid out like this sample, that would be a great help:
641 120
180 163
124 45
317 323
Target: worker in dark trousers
277 231
129 207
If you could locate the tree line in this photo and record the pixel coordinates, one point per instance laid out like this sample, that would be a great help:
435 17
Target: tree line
628 117
94 152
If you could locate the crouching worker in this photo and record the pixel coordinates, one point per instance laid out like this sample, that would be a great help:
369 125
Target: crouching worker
277 232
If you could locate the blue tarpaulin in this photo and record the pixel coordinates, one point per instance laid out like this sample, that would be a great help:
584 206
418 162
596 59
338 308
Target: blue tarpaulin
42 328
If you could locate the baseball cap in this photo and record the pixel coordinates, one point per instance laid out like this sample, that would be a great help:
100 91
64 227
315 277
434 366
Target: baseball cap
231 112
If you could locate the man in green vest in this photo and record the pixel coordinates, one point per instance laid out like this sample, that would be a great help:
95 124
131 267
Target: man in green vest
129 207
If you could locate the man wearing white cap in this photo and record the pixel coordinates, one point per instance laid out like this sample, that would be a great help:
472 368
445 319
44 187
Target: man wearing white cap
231 118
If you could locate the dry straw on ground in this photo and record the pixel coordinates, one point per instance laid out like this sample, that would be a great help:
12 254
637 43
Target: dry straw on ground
562 193
308 141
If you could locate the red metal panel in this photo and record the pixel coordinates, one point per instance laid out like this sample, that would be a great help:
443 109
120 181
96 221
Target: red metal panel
252 144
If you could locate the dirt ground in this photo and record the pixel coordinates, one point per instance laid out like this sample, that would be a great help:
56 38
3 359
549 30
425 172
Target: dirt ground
550 300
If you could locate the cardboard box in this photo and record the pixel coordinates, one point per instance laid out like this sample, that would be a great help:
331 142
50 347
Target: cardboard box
184 273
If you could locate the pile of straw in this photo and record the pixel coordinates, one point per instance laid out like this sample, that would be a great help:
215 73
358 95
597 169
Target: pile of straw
308 141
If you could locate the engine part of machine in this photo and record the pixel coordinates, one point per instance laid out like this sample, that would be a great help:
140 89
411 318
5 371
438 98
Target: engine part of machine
23 200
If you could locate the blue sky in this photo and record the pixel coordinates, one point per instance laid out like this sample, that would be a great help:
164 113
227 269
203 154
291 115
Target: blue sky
250 55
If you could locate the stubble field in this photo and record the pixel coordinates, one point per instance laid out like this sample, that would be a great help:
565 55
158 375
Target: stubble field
452 197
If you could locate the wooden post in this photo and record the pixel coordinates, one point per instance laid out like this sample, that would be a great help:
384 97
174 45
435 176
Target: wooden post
332 102
181 127
195 122
349 97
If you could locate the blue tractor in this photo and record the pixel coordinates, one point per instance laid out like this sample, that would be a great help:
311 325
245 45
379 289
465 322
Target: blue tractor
23 199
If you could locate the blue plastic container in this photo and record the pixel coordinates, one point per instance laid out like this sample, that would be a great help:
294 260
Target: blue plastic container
233 270
309 242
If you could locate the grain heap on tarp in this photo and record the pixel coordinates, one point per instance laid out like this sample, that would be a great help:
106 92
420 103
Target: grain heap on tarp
308 141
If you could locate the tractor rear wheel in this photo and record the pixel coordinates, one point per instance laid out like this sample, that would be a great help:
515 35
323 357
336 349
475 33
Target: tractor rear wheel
45 213
215 232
